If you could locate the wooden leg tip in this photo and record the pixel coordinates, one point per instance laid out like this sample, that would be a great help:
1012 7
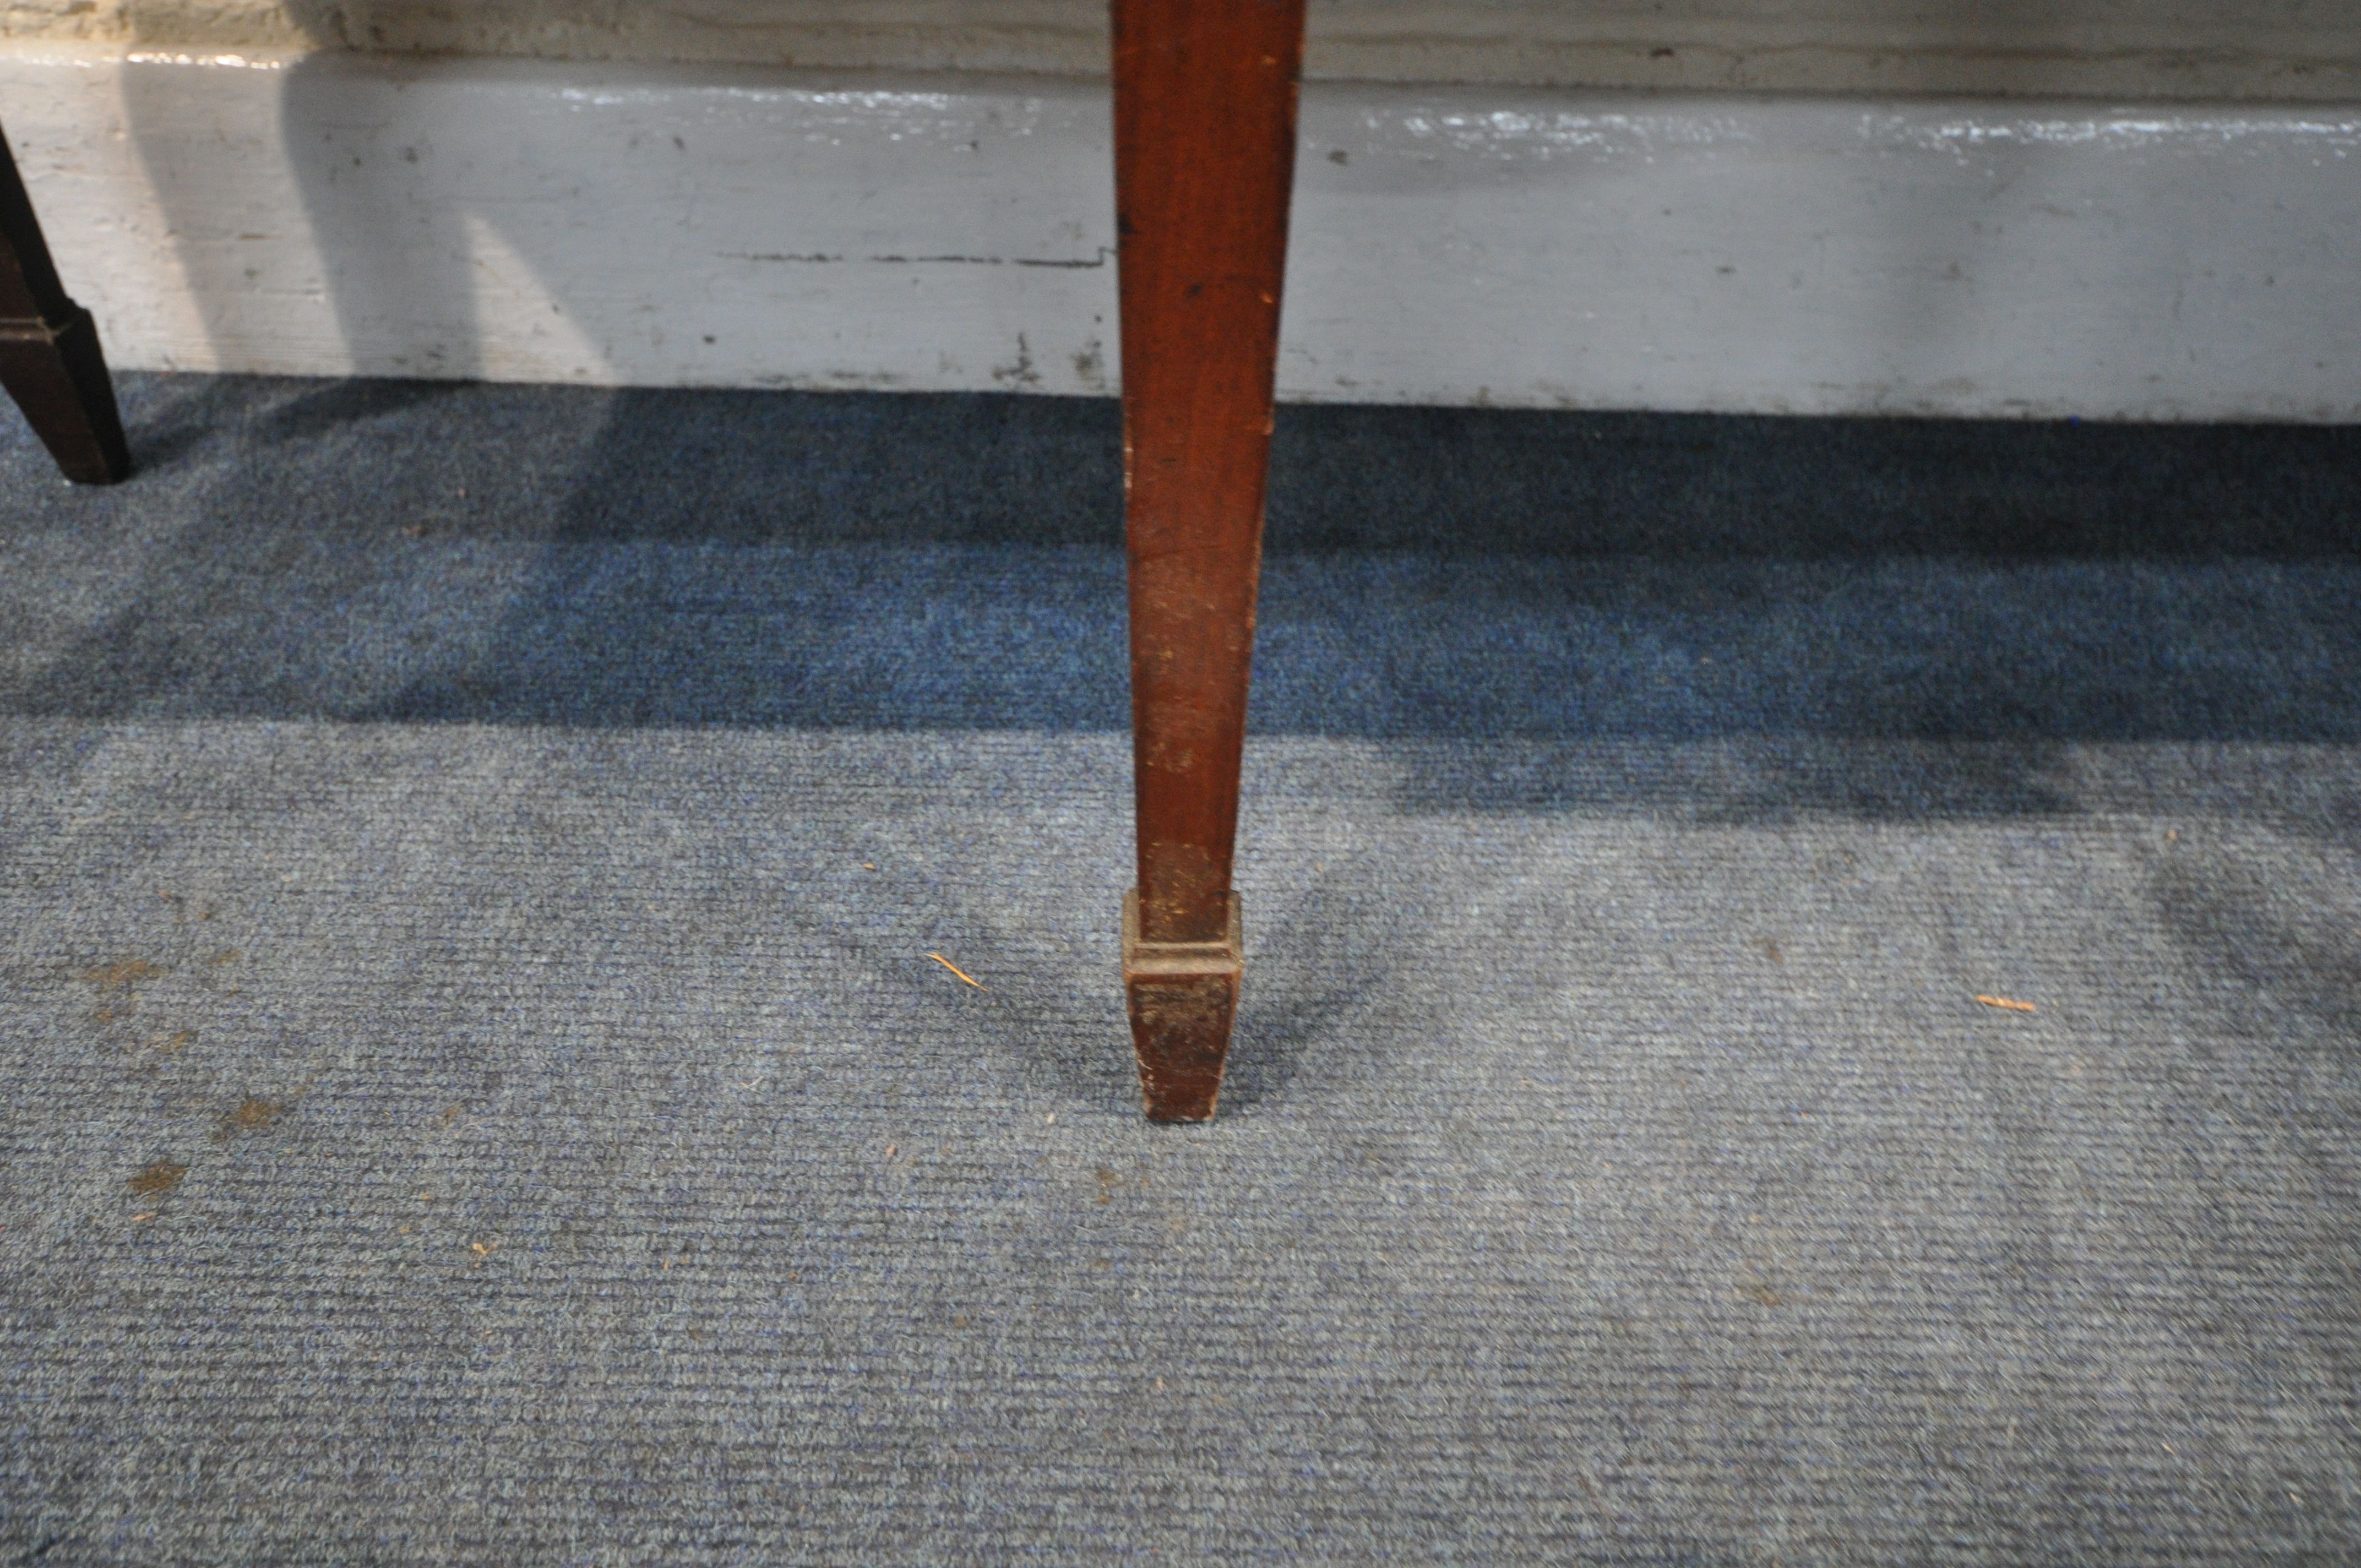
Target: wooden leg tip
56 375
1182 998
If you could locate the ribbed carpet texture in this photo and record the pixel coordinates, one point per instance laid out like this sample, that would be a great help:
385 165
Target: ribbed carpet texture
479 1088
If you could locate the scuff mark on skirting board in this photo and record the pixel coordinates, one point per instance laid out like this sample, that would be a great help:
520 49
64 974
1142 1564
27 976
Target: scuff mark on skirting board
674 225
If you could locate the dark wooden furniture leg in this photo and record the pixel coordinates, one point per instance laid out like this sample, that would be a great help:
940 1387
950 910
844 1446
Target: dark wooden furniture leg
1204 116
49 349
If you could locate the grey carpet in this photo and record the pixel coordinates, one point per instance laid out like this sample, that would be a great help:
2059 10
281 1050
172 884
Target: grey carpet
476 1090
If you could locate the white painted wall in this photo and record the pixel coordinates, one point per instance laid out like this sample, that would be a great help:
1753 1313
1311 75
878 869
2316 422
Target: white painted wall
2124 48
708 226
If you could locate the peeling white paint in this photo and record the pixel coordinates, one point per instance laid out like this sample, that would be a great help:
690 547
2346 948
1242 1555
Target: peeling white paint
155 57
2176 130
679 226
1511 133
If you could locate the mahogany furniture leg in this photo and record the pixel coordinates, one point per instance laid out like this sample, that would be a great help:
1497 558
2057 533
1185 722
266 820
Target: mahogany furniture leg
1204 118
49 359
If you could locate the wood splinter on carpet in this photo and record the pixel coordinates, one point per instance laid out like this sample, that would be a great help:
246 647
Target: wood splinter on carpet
959 971
2005 1001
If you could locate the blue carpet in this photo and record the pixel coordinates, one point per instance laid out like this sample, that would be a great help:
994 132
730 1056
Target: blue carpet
474 1088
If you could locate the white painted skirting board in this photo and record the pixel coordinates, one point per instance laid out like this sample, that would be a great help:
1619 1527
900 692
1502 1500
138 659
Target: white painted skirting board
531 221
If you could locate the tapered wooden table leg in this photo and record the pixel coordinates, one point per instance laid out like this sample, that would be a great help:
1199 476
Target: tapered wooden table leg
1204 114
49 359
